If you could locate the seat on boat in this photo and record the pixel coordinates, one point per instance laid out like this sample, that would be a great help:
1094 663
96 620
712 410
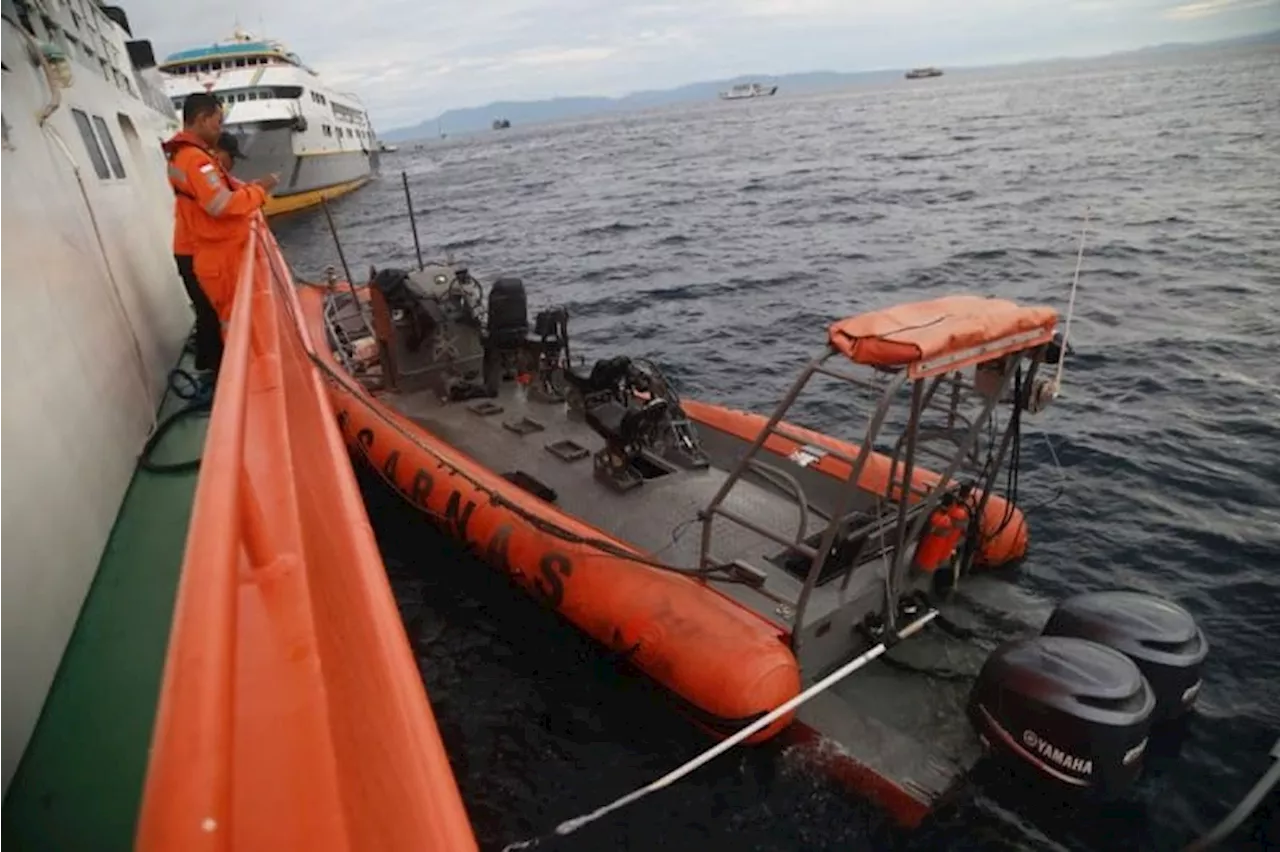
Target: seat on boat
606 375
623 427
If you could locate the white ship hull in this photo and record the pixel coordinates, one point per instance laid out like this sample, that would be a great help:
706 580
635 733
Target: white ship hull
319 141
94 318
741 93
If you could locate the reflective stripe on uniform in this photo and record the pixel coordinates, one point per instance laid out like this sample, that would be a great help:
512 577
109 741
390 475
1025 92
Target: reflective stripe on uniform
214 206
177 174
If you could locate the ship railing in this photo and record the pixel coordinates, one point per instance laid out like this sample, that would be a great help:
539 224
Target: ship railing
292 714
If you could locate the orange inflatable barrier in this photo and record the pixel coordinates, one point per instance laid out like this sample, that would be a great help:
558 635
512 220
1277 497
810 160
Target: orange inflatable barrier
1002 526
728 665
292 714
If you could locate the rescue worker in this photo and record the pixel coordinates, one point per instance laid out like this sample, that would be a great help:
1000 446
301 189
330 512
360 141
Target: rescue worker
217 214
208 334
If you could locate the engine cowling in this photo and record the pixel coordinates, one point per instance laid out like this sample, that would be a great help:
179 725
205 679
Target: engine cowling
1076 712
1160 636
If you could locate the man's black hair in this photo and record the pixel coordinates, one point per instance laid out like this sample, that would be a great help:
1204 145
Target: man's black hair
197 105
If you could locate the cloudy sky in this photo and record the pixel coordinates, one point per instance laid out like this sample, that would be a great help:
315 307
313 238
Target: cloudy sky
412 59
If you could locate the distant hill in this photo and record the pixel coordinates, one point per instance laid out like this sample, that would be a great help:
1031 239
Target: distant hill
1272 37
521 113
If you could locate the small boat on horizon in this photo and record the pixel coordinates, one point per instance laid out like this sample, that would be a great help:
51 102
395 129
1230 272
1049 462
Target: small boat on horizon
922 73
742 91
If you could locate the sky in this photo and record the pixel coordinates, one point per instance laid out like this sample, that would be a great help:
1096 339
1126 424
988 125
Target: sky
409 60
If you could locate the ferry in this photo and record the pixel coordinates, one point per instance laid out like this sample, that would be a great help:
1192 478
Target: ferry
94 317
320 142
922 73
748 90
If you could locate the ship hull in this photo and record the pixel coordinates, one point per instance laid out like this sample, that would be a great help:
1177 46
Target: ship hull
305 179
726 96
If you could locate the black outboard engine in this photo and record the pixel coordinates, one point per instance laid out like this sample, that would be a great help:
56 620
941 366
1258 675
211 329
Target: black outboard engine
508 314
1158 635
1076 712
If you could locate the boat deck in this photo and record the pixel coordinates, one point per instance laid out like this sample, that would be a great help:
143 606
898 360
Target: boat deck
906 732
79 784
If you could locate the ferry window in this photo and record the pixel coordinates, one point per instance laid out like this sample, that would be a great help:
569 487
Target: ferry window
239 63
113 156
91 144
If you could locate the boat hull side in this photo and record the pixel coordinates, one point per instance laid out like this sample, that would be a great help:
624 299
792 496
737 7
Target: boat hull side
306 178
1003 527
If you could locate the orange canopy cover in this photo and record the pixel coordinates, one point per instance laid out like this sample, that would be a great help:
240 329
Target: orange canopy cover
938 328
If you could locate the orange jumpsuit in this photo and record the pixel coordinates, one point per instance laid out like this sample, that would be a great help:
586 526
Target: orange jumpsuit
215 213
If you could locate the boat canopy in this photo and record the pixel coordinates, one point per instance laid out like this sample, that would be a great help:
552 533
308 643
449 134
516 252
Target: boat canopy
943 334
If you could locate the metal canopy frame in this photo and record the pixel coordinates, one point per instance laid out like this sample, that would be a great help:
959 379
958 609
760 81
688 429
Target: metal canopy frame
909 516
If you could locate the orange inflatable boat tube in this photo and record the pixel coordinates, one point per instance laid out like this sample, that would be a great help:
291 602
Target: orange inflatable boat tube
728 665
292 714
1003 528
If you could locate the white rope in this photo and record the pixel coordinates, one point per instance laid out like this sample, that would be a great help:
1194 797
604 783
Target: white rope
572 825
1071 306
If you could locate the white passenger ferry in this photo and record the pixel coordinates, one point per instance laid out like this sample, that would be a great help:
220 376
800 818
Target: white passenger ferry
320 141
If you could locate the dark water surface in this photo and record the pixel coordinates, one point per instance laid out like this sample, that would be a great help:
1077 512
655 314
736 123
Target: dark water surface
720 239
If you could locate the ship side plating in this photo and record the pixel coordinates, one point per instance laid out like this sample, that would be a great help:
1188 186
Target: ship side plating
94 317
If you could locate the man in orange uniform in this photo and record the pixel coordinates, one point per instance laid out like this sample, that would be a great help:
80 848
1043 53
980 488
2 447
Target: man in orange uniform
208 333
215 214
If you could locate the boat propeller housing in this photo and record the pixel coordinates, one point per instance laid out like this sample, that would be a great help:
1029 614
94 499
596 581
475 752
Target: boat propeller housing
1159 635
1077 702
1075 711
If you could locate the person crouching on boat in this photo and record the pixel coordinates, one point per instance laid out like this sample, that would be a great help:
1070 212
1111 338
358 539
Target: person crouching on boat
217 212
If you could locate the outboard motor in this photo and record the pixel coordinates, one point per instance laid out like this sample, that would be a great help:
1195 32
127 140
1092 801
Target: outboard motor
508 314
1076 712
1159 635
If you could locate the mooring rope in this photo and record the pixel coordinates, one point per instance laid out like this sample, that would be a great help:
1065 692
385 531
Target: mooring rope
571 825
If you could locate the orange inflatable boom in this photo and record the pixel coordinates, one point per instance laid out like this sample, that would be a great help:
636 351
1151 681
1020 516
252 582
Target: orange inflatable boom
292 714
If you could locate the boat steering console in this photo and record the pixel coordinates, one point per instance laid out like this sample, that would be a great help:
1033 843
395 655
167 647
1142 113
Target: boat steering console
631 405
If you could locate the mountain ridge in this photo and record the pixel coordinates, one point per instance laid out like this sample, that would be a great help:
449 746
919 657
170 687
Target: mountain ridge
471 119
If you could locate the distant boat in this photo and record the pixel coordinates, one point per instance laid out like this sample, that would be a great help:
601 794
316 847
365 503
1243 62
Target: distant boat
501 124
384 148
748 90
918 73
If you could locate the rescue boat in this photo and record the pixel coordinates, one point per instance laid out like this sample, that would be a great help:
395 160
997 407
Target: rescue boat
739 558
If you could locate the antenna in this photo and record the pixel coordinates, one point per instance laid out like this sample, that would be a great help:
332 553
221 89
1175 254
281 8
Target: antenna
1071 304
413 222
324 202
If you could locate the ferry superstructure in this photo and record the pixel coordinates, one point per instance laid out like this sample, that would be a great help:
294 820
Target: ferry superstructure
320 141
